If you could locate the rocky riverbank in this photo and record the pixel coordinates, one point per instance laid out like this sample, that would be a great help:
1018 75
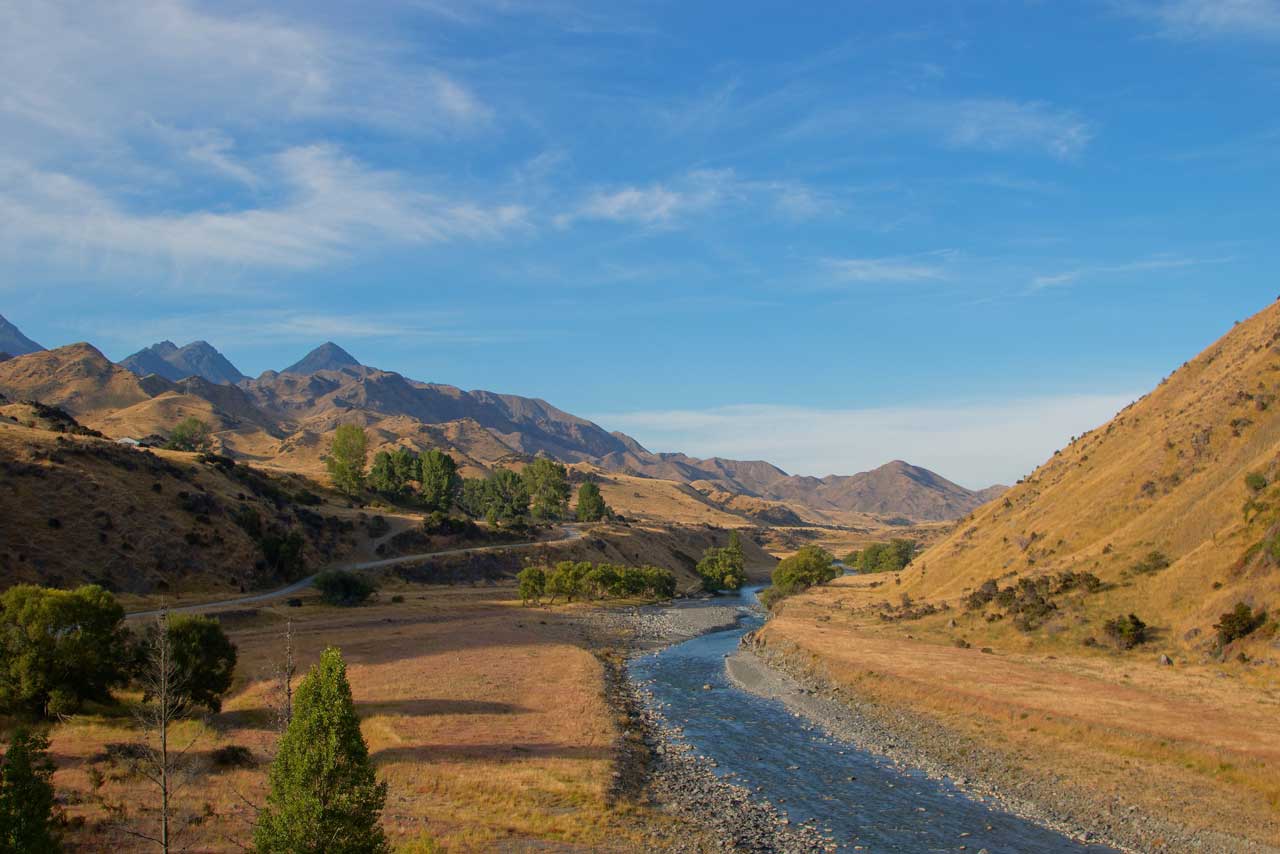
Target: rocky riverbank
913 742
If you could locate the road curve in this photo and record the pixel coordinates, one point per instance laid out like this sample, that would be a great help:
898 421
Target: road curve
569 532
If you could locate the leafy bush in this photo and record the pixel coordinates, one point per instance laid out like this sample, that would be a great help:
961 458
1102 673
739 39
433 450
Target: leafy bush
886 557
802 570
189 434
344 588
986 592
1126 632
1238 622
203 657
1256 481
1071 580
533 583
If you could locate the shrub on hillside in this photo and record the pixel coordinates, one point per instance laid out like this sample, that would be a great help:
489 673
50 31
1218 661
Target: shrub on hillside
344 588
1126 632
1256 481
1239 622
1154 562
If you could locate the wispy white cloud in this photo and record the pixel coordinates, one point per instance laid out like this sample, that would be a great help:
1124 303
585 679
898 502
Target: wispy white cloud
1145 265
898 269
327 205
975 444
1208 19
663 203
982 124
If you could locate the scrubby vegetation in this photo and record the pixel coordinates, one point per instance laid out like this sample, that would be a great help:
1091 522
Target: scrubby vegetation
1027 602
804 569
1154 562
570 580
1126 632
344 588
1239 622
723 569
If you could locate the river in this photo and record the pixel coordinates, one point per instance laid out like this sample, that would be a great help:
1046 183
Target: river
861 801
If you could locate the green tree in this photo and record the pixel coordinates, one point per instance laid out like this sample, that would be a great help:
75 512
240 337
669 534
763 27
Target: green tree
533 583
723 569
348 452
324 797
438 476
547 482
506 497
27 818
204 658
473 497
591 506
404 462
59 648
189 434
886 557
383 476
802 570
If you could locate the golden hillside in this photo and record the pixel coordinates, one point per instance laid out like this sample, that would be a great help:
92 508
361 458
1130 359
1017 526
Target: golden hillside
1166 475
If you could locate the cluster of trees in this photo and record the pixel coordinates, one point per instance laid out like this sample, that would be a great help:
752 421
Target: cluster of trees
723 569
60 649
883 557
582 579
804 569
540 491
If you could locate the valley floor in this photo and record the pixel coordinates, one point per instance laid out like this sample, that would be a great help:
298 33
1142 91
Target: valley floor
1180 757
491 723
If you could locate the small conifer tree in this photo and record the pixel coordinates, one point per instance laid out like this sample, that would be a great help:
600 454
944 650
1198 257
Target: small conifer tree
324 797
27 820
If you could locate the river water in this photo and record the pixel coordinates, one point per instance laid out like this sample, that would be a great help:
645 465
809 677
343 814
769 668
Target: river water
855 797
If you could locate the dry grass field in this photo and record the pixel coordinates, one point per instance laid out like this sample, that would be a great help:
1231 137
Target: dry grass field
487 720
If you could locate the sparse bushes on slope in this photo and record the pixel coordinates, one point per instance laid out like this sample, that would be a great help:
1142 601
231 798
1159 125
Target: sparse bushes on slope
1154 562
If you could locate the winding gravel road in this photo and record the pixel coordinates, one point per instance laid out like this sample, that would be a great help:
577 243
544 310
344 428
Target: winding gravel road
568 532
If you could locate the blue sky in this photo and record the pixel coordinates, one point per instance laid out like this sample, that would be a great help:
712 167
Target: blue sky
952 232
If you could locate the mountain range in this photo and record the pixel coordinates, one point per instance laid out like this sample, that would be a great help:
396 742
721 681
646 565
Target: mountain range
282 418
197 359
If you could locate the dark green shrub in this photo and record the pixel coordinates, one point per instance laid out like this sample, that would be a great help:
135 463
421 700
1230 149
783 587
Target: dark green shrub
1256 481
985 593
1126 632
344 588
233 756
1238 622
1154 562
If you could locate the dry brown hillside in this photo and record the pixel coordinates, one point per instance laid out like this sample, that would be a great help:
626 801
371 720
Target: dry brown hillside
1165 480
78 509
